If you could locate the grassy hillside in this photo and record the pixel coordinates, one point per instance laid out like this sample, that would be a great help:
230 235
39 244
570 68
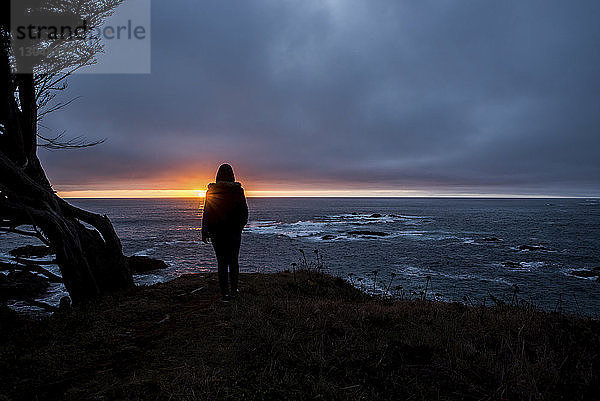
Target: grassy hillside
305 337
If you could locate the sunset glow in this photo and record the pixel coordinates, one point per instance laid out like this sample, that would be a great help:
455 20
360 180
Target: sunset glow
134 193
192 193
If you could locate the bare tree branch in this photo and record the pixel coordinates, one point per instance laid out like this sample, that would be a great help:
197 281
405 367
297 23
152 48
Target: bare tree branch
40 304
31 267
58 142
56 107
25 233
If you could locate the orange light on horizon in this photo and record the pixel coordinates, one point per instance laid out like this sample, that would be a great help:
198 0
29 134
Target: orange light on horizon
134 193
196 193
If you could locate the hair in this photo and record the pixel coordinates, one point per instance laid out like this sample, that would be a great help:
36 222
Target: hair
225 173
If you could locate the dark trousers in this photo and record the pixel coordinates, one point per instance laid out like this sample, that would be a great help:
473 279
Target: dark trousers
227 249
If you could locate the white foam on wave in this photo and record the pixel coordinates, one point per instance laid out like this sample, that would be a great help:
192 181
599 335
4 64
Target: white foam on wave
43 260
26 309
5 257
292 230
185 228
425 235
411 233
568 272
406 216
260 223
359 218
52 296
331 229
531 248
423 272
180 242
148 279
55 292
589 202
414 235
145 252
518 267
53 269
532 265
371 218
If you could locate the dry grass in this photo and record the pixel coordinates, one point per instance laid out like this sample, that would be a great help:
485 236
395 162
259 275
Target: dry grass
303 336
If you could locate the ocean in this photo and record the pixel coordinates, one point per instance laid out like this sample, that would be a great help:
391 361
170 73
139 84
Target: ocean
465 250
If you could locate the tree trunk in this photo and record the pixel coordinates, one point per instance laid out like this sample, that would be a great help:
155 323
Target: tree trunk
90 257
91 260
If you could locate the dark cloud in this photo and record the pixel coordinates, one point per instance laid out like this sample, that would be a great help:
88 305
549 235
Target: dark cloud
475 96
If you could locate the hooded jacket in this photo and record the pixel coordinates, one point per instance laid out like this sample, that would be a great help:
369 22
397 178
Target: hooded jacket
225 209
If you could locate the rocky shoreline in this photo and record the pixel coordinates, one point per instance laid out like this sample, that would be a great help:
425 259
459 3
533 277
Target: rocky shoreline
28 278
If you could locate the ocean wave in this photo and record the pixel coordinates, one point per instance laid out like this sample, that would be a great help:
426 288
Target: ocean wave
572 273
359 218
180 242
54 294
342 227
423 272
146 252
5 257
531 248
533 265
372 218
292 230
186 228
157 245
519 266
260 223
148 279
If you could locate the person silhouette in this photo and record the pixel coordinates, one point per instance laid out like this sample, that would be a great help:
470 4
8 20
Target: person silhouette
224 217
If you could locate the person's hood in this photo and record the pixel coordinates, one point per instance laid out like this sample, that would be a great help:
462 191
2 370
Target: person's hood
225 184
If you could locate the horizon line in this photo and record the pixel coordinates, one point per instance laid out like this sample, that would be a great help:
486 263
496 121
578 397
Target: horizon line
346 194
197 193
352 197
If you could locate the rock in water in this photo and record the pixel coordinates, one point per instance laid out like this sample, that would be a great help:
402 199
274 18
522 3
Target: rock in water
327 237
22 284
512 265
376 215
369 233
585 273
532 248
65 304
31 250
142 264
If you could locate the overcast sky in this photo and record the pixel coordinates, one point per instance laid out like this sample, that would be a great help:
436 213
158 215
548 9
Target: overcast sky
440 96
